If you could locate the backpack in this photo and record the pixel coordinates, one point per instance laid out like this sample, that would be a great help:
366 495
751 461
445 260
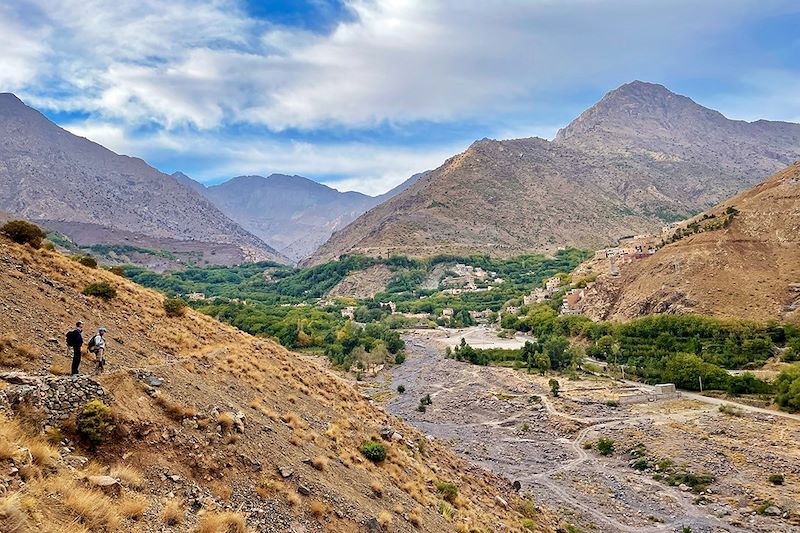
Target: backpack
92 343
72 338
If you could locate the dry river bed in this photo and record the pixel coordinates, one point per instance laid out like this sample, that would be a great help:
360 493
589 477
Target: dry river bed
506 420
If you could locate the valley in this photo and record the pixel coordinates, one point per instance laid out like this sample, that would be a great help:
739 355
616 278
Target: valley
507 420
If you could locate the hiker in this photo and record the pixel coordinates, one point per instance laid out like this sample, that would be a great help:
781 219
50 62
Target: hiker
97 345
75 341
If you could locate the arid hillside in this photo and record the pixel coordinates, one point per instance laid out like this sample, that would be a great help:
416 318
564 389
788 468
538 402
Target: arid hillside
640 156
748 267
214 430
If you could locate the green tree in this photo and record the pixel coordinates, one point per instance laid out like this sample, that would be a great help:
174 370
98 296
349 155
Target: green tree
555 386
542 363
787 389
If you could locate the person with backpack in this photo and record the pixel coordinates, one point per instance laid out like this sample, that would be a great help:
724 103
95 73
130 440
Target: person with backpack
97 346
75 341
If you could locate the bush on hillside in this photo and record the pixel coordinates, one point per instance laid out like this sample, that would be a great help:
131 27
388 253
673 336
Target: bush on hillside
102 289
118 270
175 307
604 446
87 261
448 491
374 451
23 232
95 422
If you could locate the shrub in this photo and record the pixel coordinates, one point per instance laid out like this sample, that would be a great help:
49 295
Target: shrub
87 261
175 307
604 446
448 491
426 400
374 451
776 479
399 358
23 232
555 386
117 270
731 410
94 422
640 464
48 245
101 289
401 389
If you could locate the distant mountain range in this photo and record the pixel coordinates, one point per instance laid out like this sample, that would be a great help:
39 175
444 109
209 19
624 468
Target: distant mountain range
292 213
641 156
745 267
94 196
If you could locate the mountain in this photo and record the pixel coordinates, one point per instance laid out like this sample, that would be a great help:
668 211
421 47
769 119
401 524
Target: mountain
211 426
292 213
748 268
641 156
94 196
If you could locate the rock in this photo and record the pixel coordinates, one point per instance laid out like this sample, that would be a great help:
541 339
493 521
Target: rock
153 381
52 340
304 490
386 432
373 526
175 478
238 423
684 488
19 378
517 486
772 510
107 484
285 472
501 502
397 437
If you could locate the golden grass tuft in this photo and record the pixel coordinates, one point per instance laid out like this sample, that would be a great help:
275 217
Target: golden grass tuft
317 508
12 518
221 490
133 506
96 510
226 421
127 475
376 487
292 498
173 512
320 462
415 518
225 522
384 519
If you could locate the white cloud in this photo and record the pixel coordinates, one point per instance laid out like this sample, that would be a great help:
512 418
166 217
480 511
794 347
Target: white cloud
207 64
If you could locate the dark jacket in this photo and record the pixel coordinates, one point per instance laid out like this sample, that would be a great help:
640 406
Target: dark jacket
77 338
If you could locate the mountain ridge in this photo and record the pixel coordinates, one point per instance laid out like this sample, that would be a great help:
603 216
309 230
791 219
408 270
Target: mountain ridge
621 167
51 175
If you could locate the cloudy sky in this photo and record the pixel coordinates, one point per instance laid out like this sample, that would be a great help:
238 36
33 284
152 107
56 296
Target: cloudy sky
361 94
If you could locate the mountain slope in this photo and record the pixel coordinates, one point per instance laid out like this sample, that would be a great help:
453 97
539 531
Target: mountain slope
292 213
50 175
642 155
214 420
749 269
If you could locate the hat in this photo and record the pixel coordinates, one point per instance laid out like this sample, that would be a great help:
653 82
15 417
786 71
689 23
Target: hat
102 329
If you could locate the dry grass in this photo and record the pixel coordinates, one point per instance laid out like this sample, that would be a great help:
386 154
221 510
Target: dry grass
133 506
96 510
320 462
317 508
376 488
128 475
292 498
293 421
268 486
173 409
15 354
384 519
226 421
221 490
12 518
173 513
226 522
415 518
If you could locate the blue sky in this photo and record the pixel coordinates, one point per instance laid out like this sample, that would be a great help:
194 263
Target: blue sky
360 94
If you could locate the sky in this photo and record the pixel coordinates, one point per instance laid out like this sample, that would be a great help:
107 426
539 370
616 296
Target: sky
361 94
